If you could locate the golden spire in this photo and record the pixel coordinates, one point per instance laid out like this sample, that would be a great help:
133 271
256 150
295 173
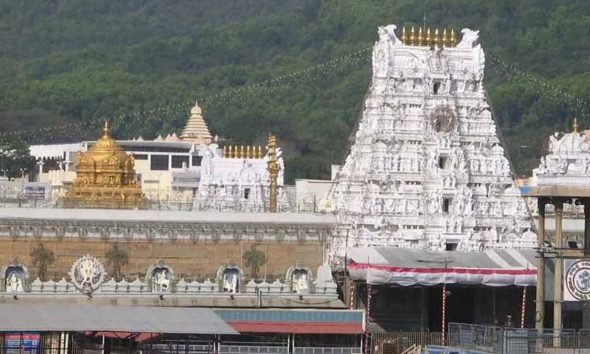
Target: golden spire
404 36
436 39
453 39
428 37
412 36
575 126
445 39
273 171
420 37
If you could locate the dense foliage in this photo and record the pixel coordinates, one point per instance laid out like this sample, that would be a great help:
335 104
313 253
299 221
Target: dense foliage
298 68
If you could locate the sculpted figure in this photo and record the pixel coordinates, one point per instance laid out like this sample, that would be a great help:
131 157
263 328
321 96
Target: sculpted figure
14 284
469 38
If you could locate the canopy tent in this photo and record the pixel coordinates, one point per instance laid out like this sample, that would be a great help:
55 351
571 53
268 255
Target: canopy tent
407 267
20 317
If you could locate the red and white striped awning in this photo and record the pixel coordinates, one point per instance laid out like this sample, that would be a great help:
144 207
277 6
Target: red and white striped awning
407 267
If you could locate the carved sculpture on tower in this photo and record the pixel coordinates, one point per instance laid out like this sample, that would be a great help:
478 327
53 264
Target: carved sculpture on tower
105 178
426 168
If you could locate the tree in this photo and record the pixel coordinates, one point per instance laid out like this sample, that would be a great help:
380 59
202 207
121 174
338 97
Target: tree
254 259
42 259
14 156
117 258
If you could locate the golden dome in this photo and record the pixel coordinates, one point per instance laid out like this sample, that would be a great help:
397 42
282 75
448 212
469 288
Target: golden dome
105 177
106 146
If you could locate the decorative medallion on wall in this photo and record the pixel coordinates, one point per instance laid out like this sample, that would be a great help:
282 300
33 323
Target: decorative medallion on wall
577 281
87 273
442 119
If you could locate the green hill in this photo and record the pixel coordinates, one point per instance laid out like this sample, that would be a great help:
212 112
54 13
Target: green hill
297 68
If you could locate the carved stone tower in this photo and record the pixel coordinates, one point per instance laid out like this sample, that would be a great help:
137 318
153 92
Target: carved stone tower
426 169
105 178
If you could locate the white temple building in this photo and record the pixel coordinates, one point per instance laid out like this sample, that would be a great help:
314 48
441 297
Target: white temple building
426 169
191 169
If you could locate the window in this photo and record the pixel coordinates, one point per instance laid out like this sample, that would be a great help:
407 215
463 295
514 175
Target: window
436 87
246 193
177 161
442 161
451 246
140 156
197 160
446 205
159 163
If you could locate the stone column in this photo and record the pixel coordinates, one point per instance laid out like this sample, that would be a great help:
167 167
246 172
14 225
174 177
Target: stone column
558 276
540 299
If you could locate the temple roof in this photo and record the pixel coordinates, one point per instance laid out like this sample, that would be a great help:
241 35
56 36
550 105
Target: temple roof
196 130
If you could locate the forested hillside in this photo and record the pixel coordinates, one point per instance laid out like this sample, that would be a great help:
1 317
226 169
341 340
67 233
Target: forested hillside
298 68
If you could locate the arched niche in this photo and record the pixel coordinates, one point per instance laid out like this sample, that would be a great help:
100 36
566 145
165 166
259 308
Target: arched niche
14 277
160 276
299 277
229 278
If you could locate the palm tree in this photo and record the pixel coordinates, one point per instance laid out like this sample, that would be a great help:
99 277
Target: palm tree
42 258
254 259
117 258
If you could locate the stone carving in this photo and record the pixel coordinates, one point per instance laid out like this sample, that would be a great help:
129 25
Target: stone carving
426 166
567 160
87 273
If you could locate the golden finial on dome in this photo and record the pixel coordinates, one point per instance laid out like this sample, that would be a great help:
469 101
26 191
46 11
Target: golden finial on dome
106 130
453 38
445 39
420 37
412 36
404 36
436 39
575 126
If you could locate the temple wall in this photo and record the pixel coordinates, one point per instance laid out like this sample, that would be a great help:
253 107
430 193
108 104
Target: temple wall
187 259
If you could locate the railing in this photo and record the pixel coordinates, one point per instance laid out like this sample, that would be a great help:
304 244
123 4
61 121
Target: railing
503 340
326 350
398 342
238 349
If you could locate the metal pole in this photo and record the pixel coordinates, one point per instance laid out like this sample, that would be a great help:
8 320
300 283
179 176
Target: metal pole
540 290
443 315
368 312
523 307
558 276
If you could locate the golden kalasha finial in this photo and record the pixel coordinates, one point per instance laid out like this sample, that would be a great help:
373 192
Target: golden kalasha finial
404 36
224 151
248 152
428 37
436 39
259 151
242 152
575 126
412 36
453 39
445 39
106 129
420 37
232 151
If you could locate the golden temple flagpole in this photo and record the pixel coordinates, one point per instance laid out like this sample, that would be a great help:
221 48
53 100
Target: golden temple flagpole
273 172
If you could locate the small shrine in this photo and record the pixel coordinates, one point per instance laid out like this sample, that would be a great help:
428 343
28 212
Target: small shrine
105 178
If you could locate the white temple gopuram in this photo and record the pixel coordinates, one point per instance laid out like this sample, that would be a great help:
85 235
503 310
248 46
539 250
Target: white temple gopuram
426 169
